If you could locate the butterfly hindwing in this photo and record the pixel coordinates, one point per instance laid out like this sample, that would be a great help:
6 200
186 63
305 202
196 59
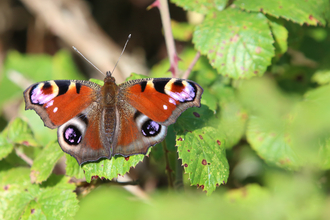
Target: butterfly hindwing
136 132
82 136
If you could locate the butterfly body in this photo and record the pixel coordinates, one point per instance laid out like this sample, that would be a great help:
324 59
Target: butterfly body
96 121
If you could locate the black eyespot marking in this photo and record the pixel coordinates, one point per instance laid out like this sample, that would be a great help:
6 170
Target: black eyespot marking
46 85
178 83
150 128
83 118
78 86
72 135
137 114
143 86
63 86
160 85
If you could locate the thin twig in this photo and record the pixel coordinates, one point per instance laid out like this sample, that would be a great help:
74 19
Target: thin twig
178 173
24 157
191 66
168 169
169 40
75 26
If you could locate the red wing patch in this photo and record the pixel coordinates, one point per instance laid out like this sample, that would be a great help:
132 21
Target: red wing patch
58 101
66 106
159 98
157 106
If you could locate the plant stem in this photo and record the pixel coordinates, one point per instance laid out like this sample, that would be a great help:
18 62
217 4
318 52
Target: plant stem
24 157
168 169
191 66
169 40
178 173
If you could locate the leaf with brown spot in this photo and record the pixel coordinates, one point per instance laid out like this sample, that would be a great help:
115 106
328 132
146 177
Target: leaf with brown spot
310 12
204 160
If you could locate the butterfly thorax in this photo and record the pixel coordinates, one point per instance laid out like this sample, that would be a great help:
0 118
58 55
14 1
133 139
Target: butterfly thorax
109 92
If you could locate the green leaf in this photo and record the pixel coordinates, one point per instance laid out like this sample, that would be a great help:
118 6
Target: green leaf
182 31
238 44
19 132
204 157
72 167
58 182
310 127
201 6
273 145
111 202
110 169
324 154
45 162
5 147
270 114
209 100
202 148
194 118
136 76
309 12
97 81
232 115
35 68
280 35
20 199
321 76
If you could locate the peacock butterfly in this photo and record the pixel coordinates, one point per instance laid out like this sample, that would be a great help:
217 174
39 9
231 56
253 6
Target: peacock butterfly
101 121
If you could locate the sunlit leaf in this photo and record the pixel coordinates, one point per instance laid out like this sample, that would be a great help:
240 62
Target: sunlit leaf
238 44
309 12
110 169
201 6
45 162
22 200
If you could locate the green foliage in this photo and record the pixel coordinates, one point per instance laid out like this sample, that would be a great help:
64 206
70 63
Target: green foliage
231 44
20 199
262 129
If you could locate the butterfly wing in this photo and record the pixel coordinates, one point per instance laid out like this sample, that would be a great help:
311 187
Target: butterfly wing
153 105
57 101
71 105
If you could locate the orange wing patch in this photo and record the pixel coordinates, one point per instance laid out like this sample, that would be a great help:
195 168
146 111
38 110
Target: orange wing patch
66 106
157 106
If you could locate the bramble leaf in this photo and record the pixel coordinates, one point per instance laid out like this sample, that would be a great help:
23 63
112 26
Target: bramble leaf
280 35
5 147
202 148
73 168
45 162
309 12
232 115
238 44
267 129
204 157
19 132
201 6
22 200
109 169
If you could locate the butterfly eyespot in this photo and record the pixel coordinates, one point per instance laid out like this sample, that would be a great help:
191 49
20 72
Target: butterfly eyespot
72 135
150 128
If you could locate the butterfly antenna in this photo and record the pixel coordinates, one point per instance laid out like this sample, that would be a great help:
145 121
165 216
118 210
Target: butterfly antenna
128 38
87 59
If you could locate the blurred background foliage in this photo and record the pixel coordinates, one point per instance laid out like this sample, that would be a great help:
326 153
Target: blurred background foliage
274 120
